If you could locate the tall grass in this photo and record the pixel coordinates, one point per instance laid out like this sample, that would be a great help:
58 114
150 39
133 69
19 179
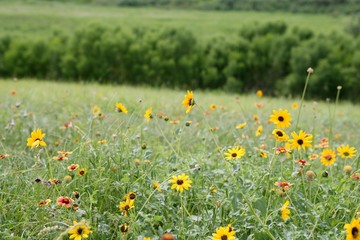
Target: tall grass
240 192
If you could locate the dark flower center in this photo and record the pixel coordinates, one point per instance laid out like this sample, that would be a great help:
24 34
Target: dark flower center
224 237
126 207
79 231
355 232
300 142
234 154
191 102
279 133
132 196
81 172
346 154
328 157
281 118
66 201
179 182
124 228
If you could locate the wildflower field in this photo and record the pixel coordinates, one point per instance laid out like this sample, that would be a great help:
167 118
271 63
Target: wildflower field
87 161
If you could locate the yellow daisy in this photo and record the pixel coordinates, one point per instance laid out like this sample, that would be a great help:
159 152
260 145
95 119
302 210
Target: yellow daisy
241 125
148 114
189 101
121 108
345 151
301 140
328 157
259 131
280 135
180 182
236 152
282 118
36 139
79 230
353 230
224 233
126 205
285 211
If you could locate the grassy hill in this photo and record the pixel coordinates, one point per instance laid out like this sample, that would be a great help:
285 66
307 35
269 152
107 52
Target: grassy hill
37 19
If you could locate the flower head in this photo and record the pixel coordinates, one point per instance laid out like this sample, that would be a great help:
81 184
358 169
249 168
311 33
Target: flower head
234 153
259 131
224 233
180 182
82 172
36 139
280 135
241 125
156 186
301 140
328 157
44 202
259 93
79 230
345 151
148 114
73 167
281 118
189 101
353 230
64 201
285 211
121 108
126 205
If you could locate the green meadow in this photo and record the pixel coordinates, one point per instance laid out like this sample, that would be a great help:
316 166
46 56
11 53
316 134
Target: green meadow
39 18
241 178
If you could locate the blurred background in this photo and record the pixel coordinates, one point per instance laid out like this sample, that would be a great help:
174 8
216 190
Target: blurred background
231 45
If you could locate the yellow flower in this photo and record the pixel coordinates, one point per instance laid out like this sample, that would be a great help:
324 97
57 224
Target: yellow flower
285 211
294 105
44 202
36 139
301 140
180 182
263 154
146 238
126 205
156 186
241 125
345 151
212 106
282 118
328 157
79 230
259 93
234 153
259 131
353 230
96 110
189 101
224 233
121 108
82 172
280 135
148 114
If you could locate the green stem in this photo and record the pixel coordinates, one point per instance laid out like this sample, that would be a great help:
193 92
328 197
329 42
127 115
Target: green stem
302 99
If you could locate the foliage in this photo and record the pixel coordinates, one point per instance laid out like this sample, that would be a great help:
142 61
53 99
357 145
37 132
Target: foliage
266 56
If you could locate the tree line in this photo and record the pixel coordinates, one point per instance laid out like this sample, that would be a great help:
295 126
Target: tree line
269 56
305 6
